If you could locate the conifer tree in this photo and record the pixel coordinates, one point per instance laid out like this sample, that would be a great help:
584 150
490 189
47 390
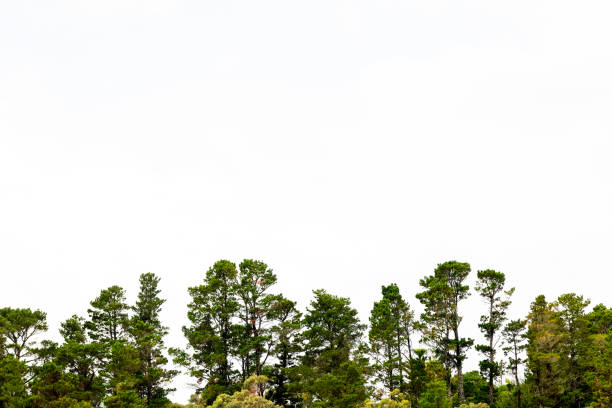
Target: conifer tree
490 285
18 327
286 345
212 333
391 326
148 333
574 346
544 338
254 281
332 333
108 316
514 334
443 292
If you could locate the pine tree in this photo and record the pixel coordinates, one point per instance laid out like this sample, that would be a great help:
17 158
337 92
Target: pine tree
391 326
514 334
17 330
72 371
332 332
574 347
490 285
254 281
212 333
148 333
443 292
544 339
108 316
285 346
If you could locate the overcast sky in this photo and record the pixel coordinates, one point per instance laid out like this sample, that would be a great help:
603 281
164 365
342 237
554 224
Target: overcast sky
347 144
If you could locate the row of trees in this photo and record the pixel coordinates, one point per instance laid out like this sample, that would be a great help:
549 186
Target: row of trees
112 358
248 346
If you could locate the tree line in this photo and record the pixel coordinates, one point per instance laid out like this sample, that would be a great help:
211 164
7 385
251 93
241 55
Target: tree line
249 346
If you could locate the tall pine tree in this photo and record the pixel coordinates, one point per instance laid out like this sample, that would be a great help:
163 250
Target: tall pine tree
490 285
148 333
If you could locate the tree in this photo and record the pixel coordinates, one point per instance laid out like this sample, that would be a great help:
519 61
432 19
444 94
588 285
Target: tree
122 370
254 280
108 316
72 372
574 346
148 333
249 397
212 333
490 285
544 337
391 326
443 292
418 375
599 373
13 390
396 399
476 387
514 334
332 334
17 329
285 347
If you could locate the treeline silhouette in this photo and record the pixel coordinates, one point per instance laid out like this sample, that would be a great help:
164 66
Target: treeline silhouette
248 346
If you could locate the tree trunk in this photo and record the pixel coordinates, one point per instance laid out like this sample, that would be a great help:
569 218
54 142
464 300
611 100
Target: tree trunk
491 353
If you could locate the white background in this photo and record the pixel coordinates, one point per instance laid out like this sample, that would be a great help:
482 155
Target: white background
347 144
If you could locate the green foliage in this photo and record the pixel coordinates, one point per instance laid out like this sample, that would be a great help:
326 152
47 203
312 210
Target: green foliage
329 378
108 316
435 396
116 358
514 336
396 399
286 344
72 371
443 292
391 326
599 356
18 327
147 332
476 387
490 285
545 336
254 281
13 391
251 396
212 334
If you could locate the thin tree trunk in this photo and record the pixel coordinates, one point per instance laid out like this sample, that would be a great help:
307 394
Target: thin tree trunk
491 353
399 356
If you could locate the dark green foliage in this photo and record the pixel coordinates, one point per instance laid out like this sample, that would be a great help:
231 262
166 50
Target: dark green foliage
476 387
147 332
285 347
238 327
545 336
599 356
18 327
332 332
212 335
254 280
108 316
13 391
490 285
391 327
73 370
443 292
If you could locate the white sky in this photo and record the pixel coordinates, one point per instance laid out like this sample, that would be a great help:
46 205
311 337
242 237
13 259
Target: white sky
347 144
